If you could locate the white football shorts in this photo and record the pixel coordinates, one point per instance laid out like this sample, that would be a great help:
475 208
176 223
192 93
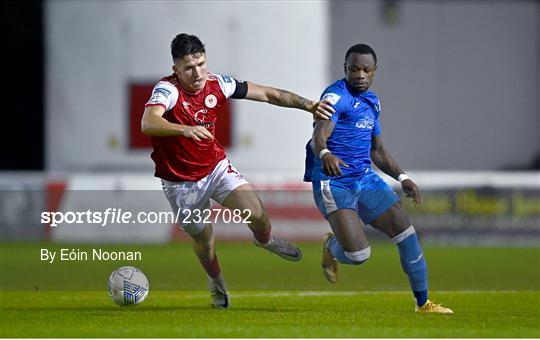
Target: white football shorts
189 198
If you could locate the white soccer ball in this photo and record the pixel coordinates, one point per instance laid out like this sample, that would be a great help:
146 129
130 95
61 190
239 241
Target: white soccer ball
128 286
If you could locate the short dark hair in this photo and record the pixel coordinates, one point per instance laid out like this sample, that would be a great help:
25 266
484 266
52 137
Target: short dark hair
361 49
185 44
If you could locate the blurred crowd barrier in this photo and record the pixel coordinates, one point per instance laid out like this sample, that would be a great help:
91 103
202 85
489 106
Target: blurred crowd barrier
488 208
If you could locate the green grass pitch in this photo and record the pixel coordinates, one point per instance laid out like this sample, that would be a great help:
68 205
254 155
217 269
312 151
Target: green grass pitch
495 292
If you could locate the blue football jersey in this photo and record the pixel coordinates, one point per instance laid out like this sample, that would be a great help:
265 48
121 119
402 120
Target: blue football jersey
357 121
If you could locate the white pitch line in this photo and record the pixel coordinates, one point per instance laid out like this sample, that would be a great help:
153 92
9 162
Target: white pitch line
307 293
343 293
276 294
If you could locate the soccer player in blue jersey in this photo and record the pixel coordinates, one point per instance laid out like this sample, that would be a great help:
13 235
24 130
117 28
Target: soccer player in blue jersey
347 191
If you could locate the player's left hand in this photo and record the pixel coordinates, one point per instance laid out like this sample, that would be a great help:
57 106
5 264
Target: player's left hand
322 110
411 190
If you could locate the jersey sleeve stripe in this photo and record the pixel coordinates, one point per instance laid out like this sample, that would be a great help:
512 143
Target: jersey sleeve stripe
156 104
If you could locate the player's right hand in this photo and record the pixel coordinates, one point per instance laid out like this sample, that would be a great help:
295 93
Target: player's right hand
197 132
331 165
411 190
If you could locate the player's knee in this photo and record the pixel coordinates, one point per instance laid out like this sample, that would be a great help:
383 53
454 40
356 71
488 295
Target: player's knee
399 221
358 257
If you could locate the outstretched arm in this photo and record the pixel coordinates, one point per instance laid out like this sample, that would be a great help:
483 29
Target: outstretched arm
271 95
384 161
330 163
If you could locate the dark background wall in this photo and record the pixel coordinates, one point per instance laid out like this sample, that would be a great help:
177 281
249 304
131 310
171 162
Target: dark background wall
22 74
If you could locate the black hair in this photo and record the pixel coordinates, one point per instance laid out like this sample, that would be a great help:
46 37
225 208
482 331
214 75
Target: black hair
185 44
361 49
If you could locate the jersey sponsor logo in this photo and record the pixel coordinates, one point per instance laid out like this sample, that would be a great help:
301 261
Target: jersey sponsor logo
365 123
163 91
210 101
159 96
332 98
200 118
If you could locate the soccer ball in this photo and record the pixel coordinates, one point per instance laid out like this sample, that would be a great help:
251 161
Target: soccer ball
128 286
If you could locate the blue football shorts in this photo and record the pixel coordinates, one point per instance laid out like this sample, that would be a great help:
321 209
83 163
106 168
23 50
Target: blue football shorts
369 195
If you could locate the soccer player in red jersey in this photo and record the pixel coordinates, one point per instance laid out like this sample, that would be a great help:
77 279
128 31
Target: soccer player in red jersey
180 118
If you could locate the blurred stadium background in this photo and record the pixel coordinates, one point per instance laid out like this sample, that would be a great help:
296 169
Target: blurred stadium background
459 84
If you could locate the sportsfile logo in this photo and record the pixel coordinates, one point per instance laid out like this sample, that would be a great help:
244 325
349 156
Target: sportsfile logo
102 218
120 216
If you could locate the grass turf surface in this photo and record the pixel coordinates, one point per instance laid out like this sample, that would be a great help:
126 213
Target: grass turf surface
265 314
493 291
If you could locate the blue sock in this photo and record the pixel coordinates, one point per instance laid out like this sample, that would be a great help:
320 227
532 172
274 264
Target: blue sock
421 297
413 263
338 252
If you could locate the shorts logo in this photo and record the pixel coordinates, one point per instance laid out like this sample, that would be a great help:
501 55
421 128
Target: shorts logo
210 101
331 98
232 170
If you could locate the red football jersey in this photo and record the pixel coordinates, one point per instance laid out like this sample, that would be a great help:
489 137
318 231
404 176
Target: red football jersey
178 158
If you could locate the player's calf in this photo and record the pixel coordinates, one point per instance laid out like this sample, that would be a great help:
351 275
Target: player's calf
413 263
347 257
259 223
